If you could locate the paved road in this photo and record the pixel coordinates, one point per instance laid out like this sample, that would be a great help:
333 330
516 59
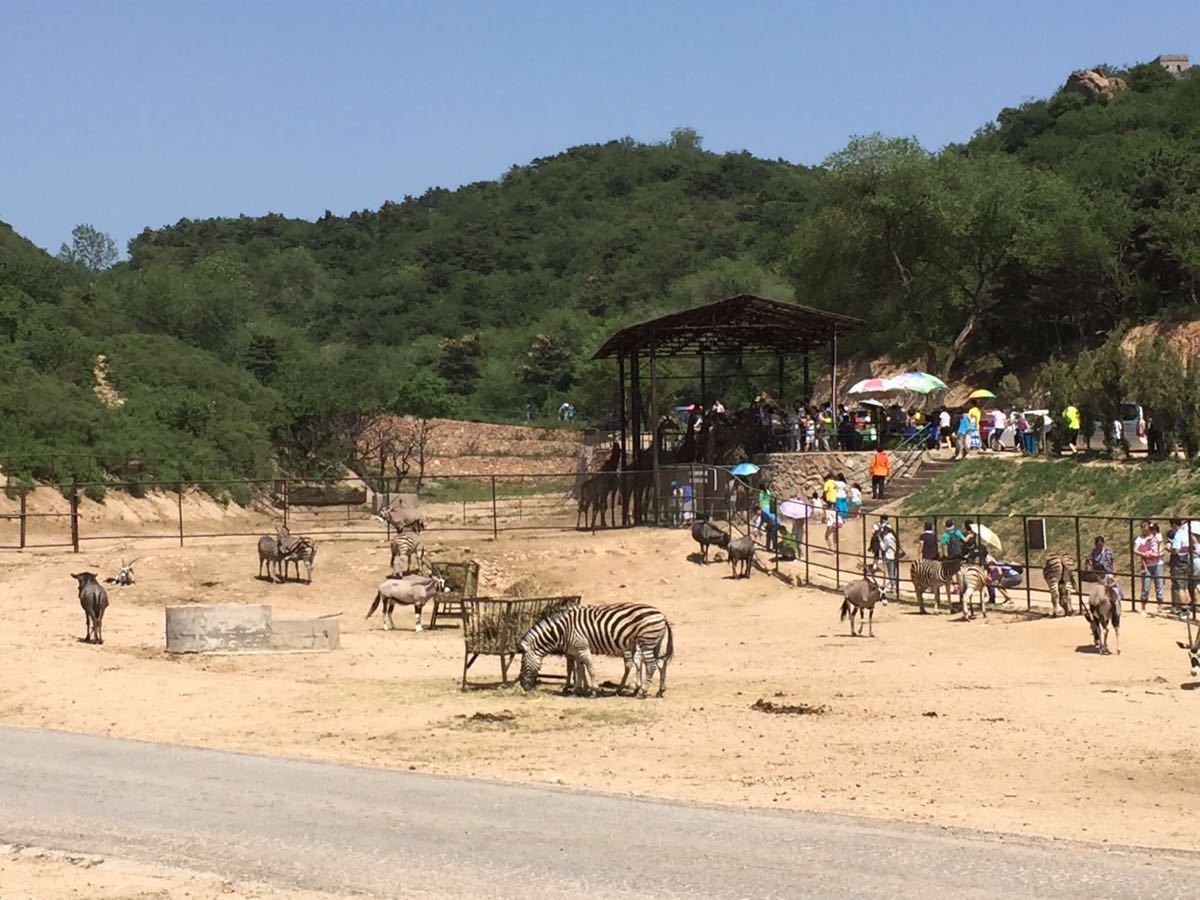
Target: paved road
341 828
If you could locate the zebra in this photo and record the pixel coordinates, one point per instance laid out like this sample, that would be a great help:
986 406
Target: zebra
299 550
270 551
933 575
408 545
613 630
973 580
1059 571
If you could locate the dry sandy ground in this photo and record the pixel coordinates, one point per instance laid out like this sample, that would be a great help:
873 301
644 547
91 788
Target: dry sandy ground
30 873
1006 724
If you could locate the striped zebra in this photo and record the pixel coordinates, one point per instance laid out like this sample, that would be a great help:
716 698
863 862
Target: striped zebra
299 550
1059 571
933 575
639 633
270 551
973 580
408 545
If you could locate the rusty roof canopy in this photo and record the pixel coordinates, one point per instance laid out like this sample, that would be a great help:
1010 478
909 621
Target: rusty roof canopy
744 323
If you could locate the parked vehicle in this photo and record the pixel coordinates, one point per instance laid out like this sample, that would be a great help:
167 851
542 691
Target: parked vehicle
1007 439
1131 414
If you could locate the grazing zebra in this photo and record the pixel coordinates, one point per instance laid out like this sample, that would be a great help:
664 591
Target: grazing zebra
270 551
408 545
1059 571
614 630
933 575
299 550
973 580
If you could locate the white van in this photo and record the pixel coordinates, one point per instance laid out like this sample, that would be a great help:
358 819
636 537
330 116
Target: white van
1131 414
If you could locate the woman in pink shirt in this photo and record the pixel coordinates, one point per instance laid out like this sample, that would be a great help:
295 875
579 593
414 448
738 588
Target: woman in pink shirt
1148 548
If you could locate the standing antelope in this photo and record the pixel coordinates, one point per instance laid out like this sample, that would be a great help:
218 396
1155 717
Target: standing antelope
1193 649
860 599
94 600
1104 606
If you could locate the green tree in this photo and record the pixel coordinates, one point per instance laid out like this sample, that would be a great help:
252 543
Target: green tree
90 248
547 367
459 362
1157 378
1058 387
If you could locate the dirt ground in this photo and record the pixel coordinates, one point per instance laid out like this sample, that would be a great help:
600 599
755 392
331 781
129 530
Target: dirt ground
31 873
1010 724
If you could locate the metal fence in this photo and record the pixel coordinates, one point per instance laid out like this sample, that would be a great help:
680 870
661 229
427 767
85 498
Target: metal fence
675 496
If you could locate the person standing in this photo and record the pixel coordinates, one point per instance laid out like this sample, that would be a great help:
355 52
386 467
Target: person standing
829 490
880 467
888 550
528 412
927 542
1101 562
1070 415
951 541
1180 548
944 427
962 436
841 495
1147 549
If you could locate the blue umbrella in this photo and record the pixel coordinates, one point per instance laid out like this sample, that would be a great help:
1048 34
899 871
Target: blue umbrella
746 468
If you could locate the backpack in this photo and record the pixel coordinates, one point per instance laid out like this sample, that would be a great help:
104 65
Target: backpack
954 546
874 545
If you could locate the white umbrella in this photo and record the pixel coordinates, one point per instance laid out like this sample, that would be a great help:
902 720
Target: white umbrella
988 537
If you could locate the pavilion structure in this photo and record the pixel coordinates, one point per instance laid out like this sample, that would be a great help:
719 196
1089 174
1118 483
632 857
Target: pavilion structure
744 327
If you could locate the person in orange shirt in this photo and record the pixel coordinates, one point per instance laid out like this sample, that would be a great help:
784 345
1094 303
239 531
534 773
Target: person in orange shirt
879 468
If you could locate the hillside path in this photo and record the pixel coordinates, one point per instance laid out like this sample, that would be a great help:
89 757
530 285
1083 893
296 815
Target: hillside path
344 829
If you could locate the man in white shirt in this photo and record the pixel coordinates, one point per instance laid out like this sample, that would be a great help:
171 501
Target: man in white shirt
944 427
1182 581
999 423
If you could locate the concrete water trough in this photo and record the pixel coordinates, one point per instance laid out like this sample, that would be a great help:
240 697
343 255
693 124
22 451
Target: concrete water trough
244 628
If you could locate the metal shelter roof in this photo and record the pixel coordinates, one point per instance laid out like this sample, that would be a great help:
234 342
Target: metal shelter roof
743 323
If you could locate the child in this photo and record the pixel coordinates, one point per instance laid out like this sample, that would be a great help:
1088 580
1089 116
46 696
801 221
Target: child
832 523
855 498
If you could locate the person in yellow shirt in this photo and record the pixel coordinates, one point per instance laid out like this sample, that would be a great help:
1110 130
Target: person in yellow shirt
1070 416
829 489
974 415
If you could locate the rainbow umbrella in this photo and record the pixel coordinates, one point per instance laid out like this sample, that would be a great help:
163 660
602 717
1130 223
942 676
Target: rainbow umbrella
917 382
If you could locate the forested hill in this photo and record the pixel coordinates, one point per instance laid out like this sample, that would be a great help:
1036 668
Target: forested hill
266 340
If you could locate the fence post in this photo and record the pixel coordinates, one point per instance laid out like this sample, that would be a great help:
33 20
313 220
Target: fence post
807 545
75 516
1078 564
1028 574
495 522
22 527
287 502
864 541
179 497
1133 574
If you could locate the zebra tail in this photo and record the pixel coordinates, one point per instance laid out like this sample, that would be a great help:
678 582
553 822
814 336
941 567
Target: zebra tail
378 600
670 644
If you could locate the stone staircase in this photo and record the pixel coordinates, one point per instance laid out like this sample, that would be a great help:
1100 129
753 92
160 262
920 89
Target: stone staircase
900 487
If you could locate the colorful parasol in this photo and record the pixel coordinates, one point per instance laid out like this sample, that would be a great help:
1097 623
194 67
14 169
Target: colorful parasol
917 382
981 394
872 386
746 468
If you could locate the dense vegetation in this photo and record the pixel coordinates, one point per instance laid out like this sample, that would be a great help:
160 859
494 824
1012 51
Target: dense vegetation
267 342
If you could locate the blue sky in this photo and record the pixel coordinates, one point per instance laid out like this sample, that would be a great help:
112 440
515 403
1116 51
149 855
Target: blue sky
128 114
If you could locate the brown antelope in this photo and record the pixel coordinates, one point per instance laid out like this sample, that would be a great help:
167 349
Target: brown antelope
860 599
1193 649
1102 608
